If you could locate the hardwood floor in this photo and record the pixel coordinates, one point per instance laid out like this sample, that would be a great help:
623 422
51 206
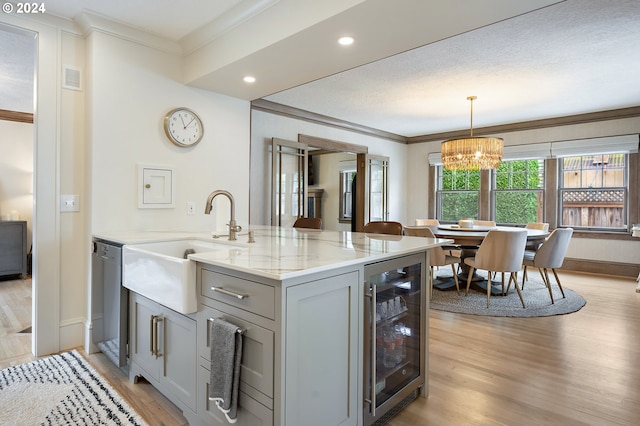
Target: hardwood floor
576 369
15 321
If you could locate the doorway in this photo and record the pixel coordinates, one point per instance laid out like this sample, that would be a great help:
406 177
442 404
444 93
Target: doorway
17 135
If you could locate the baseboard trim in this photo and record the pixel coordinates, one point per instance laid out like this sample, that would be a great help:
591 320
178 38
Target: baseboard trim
599 267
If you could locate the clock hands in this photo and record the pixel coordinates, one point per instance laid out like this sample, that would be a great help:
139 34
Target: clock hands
189 123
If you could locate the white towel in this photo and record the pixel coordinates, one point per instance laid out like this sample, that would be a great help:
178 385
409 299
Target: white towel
226 355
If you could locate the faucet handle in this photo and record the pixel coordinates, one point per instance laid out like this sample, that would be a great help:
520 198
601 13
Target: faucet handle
234 228
251 239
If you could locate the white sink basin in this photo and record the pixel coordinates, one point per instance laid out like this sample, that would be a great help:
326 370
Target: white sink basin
162 272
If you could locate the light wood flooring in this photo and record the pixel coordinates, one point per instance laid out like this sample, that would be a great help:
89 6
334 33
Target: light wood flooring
15 321
576 369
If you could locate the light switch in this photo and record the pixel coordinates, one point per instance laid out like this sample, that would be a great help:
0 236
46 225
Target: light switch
69 203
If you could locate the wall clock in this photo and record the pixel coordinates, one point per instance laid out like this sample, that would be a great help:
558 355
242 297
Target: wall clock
183 127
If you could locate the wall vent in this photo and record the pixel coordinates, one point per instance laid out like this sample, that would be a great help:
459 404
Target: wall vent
71 78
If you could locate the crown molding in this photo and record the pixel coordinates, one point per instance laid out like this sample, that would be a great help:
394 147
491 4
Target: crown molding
592 117
291 112
300 114
237 15
89 22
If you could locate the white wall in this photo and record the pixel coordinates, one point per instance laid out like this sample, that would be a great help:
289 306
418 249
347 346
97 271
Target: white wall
581 248
265 126
132 87
16 171
89 142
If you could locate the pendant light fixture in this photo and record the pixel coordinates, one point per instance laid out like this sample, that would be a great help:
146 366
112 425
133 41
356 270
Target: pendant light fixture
472 153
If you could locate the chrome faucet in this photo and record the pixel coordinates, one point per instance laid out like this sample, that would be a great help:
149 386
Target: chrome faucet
233 228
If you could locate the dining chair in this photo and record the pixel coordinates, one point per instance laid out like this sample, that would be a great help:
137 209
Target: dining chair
427 222
484 223
543 226
437 256
500 251
550 255
533 245
384 227
308 222
453 249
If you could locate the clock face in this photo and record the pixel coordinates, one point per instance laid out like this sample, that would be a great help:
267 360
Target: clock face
183 127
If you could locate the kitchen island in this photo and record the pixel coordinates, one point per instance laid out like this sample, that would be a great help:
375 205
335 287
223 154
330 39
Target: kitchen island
303 298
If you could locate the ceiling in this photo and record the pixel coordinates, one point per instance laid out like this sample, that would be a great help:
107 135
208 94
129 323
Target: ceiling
409 75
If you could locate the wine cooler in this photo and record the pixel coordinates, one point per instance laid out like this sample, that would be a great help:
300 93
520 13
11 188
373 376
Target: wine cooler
395 333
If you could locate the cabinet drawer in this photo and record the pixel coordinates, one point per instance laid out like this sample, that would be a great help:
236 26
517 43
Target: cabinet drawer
248 295
250 411
256 369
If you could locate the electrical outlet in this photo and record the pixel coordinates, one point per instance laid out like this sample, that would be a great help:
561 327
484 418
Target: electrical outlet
191 207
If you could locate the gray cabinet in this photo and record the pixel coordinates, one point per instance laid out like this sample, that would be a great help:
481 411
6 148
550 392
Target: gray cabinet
301 361
322 347
163 350
250 305
13 248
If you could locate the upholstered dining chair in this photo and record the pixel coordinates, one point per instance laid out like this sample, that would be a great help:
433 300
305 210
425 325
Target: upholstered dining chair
533 245
384 227
543 226
427 222
308 222
550 255
437 256
453 249
500 251
484 223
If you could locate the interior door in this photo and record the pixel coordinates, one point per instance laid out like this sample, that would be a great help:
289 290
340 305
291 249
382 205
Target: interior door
288 181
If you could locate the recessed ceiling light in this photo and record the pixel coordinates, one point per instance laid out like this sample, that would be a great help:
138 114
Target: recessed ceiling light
249 79
345 41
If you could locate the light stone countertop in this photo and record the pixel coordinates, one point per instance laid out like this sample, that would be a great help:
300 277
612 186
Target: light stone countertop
281 253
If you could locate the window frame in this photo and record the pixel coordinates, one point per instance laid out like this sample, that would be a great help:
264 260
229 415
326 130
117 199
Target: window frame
342 217
562 189
551 193
439 175
494 191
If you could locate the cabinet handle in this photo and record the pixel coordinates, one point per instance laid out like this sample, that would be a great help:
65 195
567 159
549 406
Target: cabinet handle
156 320
372 395
151 328
229 293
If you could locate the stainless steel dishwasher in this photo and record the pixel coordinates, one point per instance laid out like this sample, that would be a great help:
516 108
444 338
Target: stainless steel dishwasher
109 302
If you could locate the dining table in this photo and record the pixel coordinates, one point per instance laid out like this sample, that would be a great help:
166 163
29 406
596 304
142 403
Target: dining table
467 241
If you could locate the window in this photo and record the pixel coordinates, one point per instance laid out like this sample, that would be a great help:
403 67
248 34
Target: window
378 188
593 191
518 192
458 194
591 185
346 193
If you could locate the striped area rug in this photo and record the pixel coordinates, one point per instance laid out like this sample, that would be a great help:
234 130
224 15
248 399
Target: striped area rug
61 390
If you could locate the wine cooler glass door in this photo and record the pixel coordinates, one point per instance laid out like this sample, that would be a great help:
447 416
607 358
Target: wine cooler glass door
395 338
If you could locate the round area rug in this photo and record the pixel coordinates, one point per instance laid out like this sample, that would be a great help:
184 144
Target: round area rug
535 294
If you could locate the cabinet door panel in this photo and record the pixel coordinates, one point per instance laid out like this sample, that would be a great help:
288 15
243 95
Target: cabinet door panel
258 298
179 355
256 369
322 347
250 412
142 315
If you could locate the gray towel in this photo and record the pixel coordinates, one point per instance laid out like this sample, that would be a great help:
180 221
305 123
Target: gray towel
226 354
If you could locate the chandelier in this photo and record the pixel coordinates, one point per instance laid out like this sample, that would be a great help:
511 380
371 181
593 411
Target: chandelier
472 153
